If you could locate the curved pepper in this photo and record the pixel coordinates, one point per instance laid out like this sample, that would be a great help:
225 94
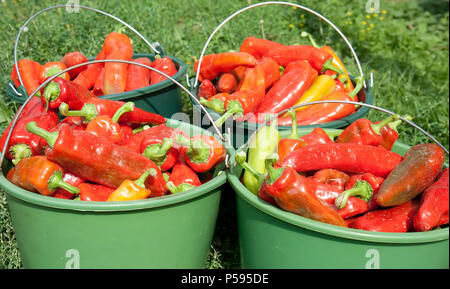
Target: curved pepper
74 58
133 190
332 177
418 170
321 87
160 150
87 77
227 83
29 72
258 47
215 64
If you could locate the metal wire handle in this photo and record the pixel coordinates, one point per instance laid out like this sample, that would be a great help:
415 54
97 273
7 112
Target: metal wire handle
275 116
16 117
77 6
278 3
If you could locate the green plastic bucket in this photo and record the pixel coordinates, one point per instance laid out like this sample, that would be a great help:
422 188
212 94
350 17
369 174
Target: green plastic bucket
272 238
173 231
163 98
242 130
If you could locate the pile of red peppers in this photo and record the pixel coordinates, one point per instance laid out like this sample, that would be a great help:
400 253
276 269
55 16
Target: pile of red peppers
355 181
100 78
98 149
266 77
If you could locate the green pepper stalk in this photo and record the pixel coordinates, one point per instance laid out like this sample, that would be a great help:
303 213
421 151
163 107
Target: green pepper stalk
88 112
241 158
20 151
56 181
361 189
215 104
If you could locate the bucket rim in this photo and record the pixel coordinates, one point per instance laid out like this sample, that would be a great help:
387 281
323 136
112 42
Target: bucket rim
328 229
163 201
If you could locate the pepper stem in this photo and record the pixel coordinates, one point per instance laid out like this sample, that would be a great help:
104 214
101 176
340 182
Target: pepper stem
329 66
376 127
241 158
157 152
20 151
141 128
215 104
234 107
310 37
50 137
56 181
141 181
394 125
127 107
359 84
361 189
274 174
294 131
51 93
180 188
88 112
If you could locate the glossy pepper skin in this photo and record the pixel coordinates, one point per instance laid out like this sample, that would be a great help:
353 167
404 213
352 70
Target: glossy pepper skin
271 71
135 142
160 150
332 177
39 174
227 83
165 65
70 179
116 46
350 158
434 205
138 76
201 152
374 181
389 134
291 142
321 87
206 89
29 72
98 89
182 178
296 194
354 201
418 170
74 58
284 93
61 90
258 47
398 219
94 192
96 159
87 77
130 190
52 68
215 64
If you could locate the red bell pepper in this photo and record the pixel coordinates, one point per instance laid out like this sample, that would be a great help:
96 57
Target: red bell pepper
138 76
259 47
201 152
434 205
116 46
297 194
94 192
418 170
398 219
182 178
52 68
206 89
87 77
227 83
61 90
164 65
350 158
215 64
74 58
96 159
29 72
160 150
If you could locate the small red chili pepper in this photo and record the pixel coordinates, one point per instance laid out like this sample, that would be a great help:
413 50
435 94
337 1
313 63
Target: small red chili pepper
434 205
332 177
284 93
160 150
97 90
389 133
138 76
398 219
227 83
107 127
164 65
297 194
215 64
206 89
74 58
29 72
350 158
52 68
364 132
96 159
130 190
101 106
418 170
182 178
61 90
94 192
258 47
39 174
201 152
87 77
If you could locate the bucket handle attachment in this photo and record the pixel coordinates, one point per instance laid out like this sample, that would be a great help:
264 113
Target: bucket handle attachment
76 6
409 122
278 3
16 117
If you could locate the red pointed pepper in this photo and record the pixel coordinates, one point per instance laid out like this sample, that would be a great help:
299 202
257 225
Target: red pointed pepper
138 76
227 83
164 65
74 58
182 178
87 77
258 47
215 64
29 72
206 89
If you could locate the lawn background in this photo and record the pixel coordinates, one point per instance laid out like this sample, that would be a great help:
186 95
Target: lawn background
405 45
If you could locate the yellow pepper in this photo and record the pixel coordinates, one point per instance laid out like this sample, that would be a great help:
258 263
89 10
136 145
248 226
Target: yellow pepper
321 87
132 190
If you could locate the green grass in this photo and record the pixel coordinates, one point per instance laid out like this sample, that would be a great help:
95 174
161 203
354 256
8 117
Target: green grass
406 46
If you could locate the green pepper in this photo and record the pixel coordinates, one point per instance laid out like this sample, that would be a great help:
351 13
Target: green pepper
264 143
